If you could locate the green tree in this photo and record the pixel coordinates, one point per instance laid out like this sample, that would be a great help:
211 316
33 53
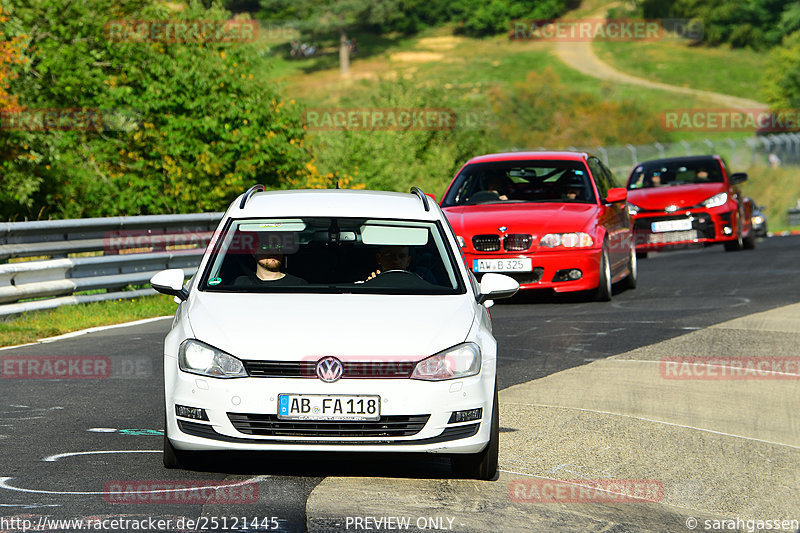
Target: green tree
340 17
397 160
782 75
754 23
185 125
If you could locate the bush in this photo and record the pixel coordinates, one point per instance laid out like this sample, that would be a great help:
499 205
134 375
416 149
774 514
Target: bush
542 111
398 160
200 126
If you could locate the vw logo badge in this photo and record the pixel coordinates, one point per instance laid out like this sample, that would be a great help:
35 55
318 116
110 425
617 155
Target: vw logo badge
502 228
329 369
671 208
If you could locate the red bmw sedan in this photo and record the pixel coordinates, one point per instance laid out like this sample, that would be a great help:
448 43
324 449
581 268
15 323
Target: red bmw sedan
550 220
689 201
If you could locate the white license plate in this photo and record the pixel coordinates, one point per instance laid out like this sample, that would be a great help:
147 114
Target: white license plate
671 225
524 264
328 407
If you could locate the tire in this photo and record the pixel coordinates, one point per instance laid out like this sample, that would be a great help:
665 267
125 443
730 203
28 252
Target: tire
749 243
172 457
630 281
738 243
603 291
482 465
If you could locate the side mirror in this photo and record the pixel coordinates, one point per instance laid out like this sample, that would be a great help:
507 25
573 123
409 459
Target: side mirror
170 282
737 177
615 195
495 286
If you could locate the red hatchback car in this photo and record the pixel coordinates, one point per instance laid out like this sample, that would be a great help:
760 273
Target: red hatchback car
550 220
688 201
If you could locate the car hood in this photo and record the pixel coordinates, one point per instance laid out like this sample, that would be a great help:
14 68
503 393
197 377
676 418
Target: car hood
295 326
657 198
535 218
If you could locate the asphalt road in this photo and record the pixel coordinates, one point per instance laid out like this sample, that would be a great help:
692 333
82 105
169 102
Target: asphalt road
110 425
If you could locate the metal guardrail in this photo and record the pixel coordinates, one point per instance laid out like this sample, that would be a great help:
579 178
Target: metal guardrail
781 149
64 257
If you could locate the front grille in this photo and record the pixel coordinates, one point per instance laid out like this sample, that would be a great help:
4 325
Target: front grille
207 431
270 425
352 369
517 242
486 243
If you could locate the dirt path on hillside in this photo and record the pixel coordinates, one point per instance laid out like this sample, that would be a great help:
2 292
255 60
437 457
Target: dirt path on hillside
581 57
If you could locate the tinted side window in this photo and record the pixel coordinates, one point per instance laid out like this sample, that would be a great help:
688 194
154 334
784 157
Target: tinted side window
611 179
600 177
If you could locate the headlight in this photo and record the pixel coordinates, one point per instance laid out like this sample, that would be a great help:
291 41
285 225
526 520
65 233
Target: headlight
633 209
567 240
460 240
198 358
758 219
716 200
457 362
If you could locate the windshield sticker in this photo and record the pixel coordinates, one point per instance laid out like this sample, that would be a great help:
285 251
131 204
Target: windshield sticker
215 281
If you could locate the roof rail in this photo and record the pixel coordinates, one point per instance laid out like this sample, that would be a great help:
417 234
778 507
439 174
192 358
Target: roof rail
249 193
422 196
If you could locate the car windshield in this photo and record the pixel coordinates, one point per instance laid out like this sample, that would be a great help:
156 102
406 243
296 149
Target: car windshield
662 174
333 255
521 181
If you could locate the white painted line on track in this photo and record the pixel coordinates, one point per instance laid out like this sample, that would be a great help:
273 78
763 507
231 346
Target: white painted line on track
56 457
4 485
85 331
657 422
30 505
102 328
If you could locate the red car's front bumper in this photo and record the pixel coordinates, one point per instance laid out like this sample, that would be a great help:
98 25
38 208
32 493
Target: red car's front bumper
547 265
703 226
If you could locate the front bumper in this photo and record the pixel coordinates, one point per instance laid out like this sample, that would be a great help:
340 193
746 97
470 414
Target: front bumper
251 404
708 226
547 264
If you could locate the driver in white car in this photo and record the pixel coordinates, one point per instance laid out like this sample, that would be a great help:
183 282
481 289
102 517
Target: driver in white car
398 258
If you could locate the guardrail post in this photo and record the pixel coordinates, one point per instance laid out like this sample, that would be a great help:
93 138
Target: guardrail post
634 159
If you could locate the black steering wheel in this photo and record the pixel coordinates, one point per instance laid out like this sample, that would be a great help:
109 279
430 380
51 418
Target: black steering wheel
484 196
397 271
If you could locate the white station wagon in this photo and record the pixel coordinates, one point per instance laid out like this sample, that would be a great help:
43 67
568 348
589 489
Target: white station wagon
333 320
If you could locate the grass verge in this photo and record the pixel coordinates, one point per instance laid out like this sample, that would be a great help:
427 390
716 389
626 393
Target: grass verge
778 189
31 327
722 69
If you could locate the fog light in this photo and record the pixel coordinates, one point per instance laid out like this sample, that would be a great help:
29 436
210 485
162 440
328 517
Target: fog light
570 274
727 230
465 416
191 412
